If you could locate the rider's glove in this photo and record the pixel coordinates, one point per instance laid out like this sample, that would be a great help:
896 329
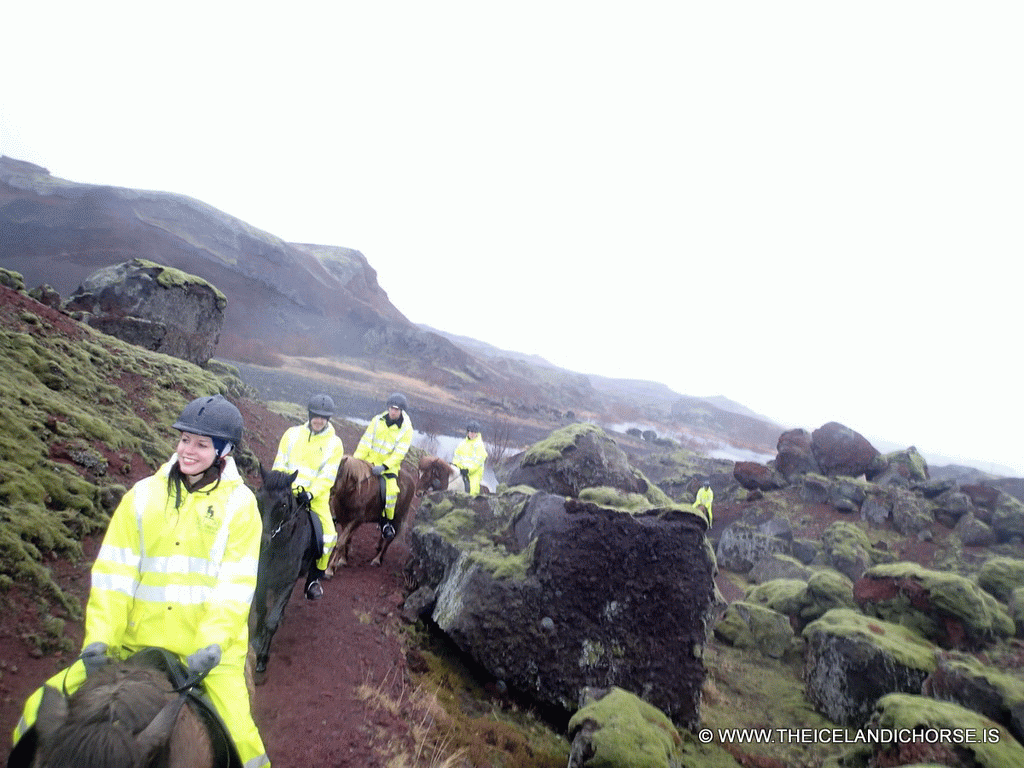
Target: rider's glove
204 659
94 656
378 470
94 649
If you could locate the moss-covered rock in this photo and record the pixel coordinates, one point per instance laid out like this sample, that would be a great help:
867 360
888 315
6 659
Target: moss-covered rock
1000 576
970 739
826 589
852 660
748 625
1008 518
786 596
616 729
582 456
964 680
778 566
1017 610
846 548
947 608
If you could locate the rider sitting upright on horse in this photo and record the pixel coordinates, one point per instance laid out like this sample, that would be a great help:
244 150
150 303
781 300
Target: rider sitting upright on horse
384 445
177 570
315 451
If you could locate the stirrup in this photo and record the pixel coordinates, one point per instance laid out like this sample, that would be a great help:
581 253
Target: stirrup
387 531
314 590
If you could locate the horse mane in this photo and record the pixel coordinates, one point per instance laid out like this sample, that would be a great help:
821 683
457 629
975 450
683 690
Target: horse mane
104 719
357 469
275 481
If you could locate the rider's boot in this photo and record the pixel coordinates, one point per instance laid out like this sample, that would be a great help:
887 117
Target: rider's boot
314 589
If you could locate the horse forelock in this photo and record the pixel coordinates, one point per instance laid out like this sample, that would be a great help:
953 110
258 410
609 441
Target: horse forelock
103 719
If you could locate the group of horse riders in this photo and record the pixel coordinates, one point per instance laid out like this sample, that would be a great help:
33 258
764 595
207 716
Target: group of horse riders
177 568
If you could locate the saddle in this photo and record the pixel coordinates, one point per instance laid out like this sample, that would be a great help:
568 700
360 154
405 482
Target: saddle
318 527
224 752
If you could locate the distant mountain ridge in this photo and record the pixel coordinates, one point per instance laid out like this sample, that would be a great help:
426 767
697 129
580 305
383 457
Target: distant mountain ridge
307 301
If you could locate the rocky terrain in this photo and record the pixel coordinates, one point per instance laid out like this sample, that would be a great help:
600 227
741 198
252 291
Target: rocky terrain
581 605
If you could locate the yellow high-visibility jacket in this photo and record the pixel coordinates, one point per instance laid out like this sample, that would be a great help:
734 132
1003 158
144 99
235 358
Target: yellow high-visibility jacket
315 456
381 444
178 578
705 496
182 579
471 455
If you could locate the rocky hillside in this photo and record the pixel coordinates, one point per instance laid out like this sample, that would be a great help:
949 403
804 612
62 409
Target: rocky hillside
301 305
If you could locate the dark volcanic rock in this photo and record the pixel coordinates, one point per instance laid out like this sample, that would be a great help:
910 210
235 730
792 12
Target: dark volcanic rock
794 454
851 661
841 451
154 307
572 596
573 458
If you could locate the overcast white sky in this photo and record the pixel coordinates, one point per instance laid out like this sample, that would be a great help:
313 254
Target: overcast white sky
812 208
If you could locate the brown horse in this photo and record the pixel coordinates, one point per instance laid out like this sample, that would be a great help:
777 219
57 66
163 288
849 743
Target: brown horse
356 499
435 474
124 716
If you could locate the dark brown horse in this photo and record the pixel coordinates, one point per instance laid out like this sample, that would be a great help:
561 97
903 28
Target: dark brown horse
124 716
435 474
356 499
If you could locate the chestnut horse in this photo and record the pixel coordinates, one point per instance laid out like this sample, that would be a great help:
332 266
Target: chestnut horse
356 499
435 475
124 715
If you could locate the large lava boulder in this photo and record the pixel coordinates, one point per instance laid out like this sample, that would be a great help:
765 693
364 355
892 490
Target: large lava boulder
852 660
576 457
795 456
903 728
553 596
155 307
838 450
948 609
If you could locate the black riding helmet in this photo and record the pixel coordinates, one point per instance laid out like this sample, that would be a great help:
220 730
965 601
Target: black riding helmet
473 426
321 405
212 416
398 399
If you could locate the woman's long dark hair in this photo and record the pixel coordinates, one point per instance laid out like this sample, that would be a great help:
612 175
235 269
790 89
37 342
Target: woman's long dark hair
176 480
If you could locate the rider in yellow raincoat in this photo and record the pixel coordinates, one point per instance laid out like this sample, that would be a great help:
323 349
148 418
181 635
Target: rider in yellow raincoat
705 497
177 570
470 457
315 451
384 445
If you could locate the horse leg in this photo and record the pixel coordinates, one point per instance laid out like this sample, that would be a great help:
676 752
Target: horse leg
259 642
271 625
340 555
382 548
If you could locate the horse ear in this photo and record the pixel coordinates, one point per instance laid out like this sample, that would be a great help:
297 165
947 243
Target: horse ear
155 735
292 476
53 711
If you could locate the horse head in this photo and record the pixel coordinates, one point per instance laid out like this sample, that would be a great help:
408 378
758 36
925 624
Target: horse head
123 717
435 474
276 501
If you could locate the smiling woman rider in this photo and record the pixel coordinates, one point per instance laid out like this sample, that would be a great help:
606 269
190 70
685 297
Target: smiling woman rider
177 570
